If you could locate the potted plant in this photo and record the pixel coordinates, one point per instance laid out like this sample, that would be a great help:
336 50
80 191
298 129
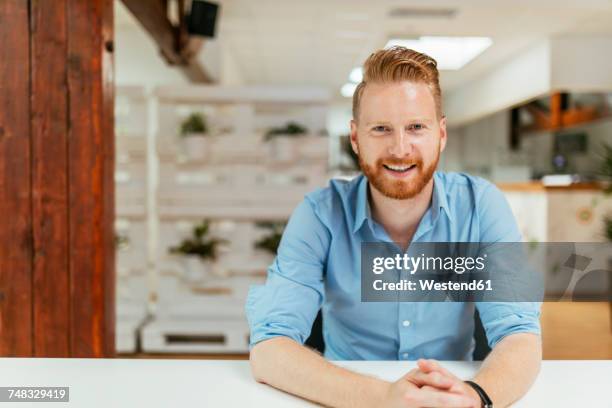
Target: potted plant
122 242
606 168
608 230
606 174
269 242
194 132
280 141
199 251
606 178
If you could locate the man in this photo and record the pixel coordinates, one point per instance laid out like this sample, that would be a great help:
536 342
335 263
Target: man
398 131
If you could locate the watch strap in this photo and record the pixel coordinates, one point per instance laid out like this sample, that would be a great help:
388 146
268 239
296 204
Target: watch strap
486 401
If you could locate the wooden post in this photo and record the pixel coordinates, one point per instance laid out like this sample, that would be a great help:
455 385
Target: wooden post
556 111
16 253
56 178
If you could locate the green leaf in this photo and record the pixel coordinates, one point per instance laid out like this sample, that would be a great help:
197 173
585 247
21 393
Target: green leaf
195 123
199 244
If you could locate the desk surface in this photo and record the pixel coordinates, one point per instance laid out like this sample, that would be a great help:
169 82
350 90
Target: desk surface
219 383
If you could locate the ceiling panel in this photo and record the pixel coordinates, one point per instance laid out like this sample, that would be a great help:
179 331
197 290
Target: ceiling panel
319 41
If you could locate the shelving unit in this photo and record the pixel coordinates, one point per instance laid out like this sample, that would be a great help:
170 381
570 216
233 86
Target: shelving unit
241 180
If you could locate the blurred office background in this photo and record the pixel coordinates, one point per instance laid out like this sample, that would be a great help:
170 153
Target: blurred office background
223 121
527 91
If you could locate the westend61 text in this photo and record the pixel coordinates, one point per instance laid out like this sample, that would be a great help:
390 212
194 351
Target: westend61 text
429 284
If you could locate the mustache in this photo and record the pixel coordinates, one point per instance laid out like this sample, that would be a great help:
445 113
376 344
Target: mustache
394 161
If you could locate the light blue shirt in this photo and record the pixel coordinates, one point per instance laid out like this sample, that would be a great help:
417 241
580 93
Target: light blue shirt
318 266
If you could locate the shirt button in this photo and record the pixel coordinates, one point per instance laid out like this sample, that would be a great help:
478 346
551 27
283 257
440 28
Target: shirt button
406 323
405 356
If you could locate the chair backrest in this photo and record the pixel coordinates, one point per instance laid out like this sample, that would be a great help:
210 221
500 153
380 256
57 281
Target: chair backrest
482 348
315 340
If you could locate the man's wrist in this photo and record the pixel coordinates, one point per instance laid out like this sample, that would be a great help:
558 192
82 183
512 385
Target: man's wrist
376 392
480 393
473 393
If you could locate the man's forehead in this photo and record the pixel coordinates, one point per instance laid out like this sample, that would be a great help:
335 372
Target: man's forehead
388 101
406 89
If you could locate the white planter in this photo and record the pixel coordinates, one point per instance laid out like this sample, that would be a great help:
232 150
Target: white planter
282 148
195 146
196 269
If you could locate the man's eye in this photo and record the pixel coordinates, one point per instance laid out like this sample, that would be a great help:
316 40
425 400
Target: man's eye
379 128
417 126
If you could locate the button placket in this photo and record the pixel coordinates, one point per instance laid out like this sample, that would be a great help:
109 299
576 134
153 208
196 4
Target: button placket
404 323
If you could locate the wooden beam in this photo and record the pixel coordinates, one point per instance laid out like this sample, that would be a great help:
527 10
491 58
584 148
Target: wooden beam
152 14
556 112
560 115
173 41
16 253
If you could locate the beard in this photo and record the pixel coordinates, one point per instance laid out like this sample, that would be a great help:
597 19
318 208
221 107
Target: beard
400 189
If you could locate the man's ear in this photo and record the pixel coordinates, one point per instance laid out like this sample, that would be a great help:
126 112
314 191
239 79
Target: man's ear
353 137
443 134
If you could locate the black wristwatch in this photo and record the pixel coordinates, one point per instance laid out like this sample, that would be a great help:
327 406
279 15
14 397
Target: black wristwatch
484 398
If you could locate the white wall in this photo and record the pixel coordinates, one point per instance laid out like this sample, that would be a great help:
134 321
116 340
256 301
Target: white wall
582 63
523 77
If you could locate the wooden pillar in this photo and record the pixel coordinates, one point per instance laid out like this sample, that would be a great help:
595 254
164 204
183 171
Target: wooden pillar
56 178
16 253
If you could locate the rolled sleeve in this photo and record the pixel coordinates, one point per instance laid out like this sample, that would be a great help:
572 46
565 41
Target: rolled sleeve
293 293
501 319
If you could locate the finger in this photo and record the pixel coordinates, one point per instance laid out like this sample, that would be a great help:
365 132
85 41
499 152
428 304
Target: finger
429 397
458 386
410 373
432 365
434 379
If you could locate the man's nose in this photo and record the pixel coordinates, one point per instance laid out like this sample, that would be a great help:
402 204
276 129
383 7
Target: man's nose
401 145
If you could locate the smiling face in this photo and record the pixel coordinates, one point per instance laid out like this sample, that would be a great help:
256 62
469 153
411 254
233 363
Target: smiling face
398 137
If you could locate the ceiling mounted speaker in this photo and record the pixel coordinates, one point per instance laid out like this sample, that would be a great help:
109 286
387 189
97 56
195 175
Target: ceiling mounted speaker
202 18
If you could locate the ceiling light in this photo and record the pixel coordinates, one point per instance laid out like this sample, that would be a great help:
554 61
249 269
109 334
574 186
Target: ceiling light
356 75
348 89
451 53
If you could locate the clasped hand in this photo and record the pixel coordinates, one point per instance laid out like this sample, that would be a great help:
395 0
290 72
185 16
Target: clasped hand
431 385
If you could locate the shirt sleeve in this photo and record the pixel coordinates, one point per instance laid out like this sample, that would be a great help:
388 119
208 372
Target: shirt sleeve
500 319
293 293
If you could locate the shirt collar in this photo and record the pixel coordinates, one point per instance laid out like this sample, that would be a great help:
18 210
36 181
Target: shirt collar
363 212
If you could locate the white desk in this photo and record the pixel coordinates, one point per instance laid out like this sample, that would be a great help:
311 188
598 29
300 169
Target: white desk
209 383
